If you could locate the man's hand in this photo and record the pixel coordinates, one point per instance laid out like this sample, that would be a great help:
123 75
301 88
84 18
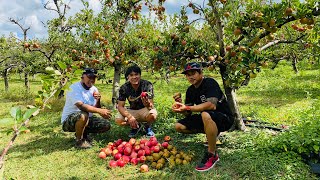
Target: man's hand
97 95
105 113
178 107
146 102
133 122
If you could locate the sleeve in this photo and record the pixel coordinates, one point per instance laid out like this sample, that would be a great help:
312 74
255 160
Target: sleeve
122 93
212 89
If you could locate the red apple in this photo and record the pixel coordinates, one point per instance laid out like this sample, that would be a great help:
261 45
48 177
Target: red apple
144 94
147 152
133 155
143 141
142 146
117 156
112 164
128 145
144 168
120 163
154 143
102 155
132 141
165 145
127 151
137 148
134 161
126 159
149 144
141 153
153 138
118 142
142 159
156 149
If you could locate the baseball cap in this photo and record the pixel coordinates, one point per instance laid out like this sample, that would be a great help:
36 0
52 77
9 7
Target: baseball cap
90 72
191 66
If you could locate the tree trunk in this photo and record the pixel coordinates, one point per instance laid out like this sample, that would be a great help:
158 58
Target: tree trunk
294 64
26 81
116 84
5 77
232 101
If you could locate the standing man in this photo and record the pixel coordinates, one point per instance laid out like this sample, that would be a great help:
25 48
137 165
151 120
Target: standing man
213 115
82 100
140 95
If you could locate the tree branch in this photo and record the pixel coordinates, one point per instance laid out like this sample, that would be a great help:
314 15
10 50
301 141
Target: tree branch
281 41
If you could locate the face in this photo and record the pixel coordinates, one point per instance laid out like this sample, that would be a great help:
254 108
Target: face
134 78
88 81
194 77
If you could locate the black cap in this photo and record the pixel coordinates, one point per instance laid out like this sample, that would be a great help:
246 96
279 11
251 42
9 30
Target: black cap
191 66
90 72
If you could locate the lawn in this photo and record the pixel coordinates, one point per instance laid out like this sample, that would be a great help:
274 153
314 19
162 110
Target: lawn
277 96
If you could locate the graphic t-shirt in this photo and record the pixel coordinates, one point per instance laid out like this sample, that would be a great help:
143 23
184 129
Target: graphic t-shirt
128 92
208 88
77 94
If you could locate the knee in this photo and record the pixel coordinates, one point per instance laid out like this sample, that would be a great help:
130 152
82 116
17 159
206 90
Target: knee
120 122
206 118
151 118
179 127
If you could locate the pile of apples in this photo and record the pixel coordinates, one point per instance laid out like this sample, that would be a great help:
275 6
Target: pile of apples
144 151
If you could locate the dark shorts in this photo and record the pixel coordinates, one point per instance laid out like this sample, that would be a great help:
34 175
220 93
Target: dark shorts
95 125
194 122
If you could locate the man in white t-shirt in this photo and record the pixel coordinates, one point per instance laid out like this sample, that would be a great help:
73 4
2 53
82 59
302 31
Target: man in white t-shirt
82 100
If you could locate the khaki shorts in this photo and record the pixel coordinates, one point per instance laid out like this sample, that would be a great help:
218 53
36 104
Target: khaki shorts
140 114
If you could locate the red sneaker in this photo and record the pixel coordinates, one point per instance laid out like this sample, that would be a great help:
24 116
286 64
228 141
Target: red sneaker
208 162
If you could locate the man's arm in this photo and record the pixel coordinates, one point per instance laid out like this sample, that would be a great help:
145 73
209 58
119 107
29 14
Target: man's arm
105 113
211 104
122 110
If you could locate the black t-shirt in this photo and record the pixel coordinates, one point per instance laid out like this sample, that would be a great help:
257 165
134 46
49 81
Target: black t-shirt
128 92
208 88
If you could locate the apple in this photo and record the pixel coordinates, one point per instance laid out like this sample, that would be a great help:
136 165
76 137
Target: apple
144 168
141 153
137 148
167 138
114 152
134 161
156 149
102 155
132 141
147 152
127 151
165 145
142 146
149 144
154 143
143 141
144 94
108 151
120 163
142 159
117 156
118 142
112 164
133 155
126 159
128 145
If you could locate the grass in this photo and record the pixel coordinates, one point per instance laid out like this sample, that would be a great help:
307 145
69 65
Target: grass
277 96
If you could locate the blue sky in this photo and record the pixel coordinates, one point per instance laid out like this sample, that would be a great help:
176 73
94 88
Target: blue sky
33 14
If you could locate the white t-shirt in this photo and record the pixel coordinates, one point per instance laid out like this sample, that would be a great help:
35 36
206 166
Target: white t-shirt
77 94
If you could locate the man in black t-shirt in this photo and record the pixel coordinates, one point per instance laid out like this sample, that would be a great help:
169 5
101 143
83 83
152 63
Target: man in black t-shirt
213 116
140 95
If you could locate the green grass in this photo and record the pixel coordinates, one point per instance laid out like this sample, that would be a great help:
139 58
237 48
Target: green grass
278 96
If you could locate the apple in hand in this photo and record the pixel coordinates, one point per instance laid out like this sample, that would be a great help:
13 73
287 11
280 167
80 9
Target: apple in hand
144 94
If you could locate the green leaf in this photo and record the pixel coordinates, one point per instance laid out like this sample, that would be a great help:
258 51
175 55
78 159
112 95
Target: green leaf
22 128
57 72
316 148
62 65
16 113
6 121
29 113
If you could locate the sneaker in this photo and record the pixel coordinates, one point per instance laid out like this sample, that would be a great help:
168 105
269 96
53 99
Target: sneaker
208 162
133 133
149 132
83 144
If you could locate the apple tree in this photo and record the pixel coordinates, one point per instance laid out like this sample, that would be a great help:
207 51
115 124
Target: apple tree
236 37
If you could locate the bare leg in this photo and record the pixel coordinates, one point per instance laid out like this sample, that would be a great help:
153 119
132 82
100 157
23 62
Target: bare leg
182 129
211 131
81 125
